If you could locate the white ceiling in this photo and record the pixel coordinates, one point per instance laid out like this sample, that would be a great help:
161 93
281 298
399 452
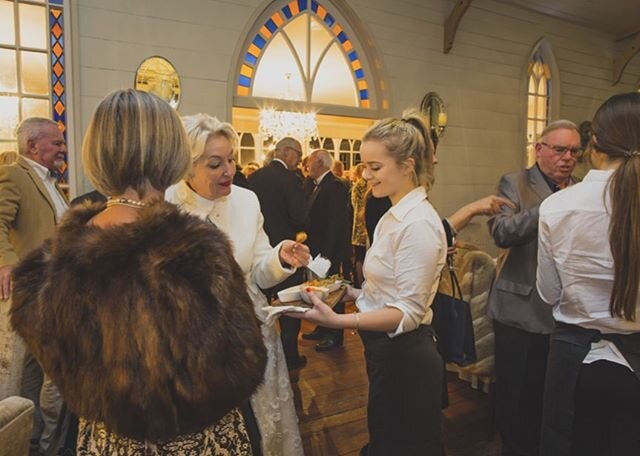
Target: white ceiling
620 18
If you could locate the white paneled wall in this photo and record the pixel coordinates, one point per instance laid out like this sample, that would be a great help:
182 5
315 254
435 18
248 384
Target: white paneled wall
481 80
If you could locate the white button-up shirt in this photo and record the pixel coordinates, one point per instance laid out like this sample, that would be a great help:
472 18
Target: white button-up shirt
402 267
575 266
59 203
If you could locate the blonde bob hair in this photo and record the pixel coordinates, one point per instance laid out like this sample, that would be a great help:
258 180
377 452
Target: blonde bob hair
134 139
201 127
404 138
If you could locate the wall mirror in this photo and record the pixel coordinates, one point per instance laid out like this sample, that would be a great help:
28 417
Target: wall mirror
158 76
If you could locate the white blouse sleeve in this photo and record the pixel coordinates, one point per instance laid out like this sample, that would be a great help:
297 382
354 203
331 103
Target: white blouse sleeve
548 280
416 259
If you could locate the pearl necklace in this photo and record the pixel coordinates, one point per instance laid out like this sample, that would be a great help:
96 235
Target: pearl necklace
125 202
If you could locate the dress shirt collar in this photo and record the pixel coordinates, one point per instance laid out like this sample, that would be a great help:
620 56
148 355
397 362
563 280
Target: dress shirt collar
280 161
408 202
319 179
42 171
598 175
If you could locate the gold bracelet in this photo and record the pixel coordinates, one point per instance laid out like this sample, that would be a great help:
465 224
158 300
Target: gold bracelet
357 321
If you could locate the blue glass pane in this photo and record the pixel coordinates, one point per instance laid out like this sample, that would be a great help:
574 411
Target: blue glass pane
302 5
353 55
62 79
61 60
359 73
287 12
250 59
342 37
56 2
259 41
314 6
244 81
329 20
364 94
271 26
55 98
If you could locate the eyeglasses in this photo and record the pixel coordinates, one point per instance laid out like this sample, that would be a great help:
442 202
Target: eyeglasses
561 150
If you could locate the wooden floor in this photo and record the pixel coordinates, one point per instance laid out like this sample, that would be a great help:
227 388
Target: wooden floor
331 398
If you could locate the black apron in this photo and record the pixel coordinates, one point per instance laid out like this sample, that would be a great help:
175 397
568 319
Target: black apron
570 345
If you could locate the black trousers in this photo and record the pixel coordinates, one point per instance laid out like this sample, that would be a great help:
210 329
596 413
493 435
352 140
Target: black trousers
521 364
405 382
607 411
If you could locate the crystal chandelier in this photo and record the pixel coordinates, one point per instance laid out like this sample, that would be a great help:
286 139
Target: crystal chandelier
281 124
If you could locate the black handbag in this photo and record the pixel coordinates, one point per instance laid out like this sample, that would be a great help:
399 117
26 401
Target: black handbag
452 320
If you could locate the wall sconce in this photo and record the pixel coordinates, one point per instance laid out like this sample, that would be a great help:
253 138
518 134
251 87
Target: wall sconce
432 107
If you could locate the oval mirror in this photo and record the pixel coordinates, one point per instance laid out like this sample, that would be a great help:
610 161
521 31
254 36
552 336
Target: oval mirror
433 109
158 76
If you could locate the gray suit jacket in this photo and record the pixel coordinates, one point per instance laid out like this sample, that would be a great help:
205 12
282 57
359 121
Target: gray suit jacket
514 299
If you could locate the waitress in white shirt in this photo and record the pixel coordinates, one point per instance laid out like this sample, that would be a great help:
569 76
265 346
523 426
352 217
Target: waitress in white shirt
589 270
401 270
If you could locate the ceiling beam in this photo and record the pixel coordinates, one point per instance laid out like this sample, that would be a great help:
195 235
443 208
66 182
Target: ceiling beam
621 63
452 22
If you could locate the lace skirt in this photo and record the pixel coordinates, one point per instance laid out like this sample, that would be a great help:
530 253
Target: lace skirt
227 437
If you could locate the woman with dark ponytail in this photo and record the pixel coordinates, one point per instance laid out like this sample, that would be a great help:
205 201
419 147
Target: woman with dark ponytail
589 270
402 270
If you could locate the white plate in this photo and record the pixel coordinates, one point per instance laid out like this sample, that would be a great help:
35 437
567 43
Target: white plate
289 294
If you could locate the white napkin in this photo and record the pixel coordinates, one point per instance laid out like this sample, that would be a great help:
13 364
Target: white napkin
274 312
319 266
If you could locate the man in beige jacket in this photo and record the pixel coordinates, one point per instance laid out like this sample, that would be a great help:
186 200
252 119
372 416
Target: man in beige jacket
30 206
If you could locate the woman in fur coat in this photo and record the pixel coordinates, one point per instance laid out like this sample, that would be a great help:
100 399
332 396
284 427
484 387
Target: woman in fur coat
209 194
136 310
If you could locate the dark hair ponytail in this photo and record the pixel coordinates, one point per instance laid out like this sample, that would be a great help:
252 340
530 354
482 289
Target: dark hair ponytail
616 133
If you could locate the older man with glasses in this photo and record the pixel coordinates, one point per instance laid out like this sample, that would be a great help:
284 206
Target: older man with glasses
522 321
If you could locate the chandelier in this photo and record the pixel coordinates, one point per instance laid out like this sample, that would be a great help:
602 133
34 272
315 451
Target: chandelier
281 124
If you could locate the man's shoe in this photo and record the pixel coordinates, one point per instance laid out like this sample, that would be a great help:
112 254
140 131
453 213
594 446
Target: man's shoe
328 344
313 335
297 363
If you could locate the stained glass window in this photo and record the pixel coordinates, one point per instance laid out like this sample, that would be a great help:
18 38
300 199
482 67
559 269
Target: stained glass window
32 66
538 102
301 53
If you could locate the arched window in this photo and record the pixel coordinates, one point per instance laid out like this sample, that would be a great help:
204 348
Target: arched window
32 66
541 91
302 53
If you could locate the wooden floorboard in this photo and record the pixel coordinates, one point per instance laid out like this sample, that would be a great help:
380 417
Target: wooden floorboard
331 399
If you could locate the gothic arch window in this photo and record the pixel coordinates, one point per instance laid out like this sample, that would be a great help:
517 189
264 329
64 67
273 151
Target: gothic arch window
542 96
302 52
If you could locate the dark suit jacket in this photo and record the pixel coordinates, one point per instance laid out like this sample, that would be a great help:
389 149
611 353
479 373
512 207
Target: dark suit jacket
281 200
328 226
514 299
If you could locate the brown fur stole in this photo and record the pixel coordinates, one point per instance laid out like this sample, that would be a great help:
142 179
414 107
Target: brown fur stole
146 326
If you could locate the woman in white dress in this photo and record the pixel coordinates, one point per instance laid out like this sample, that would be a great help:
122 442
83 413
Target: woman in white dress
208 192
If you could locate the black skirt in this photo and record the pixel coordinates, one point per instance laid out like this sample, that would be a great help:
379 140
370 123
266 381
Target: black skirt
405 393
